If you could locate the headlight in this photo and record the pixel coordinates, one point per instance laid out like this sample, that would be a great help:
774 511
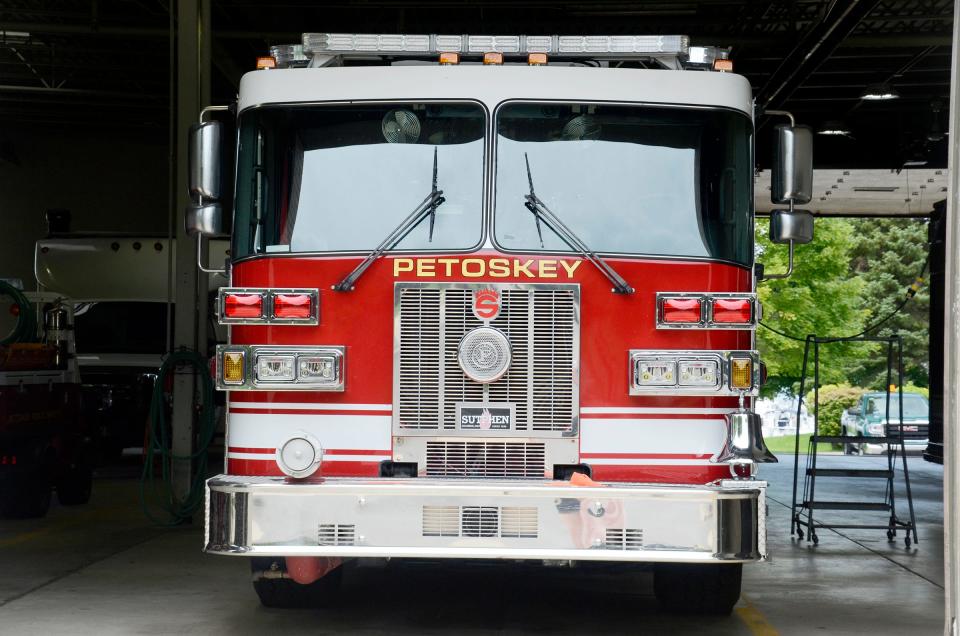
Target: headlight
275 368
693 372
318 367
289 368
656 372
876 429
704 373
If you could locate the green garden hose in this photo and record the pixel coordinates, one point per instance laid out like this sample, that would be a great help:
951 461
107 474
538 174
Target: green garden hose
156 490
26 328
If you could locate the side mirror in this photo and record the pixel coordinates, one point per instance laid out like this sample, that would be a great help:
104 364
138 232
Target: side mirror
204 157
791 226
792 177
205 219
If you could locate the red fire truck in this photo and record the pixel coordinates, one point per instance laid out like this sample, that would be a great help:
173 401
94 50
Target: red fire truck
492 297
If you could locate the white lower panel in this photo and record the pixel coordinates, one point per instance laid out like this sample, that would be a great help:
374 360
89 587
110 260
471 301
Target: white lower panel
349 432
652 436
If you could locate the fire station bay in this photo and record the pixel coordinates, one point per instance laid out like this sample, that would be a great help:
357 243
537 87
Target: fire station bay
620 317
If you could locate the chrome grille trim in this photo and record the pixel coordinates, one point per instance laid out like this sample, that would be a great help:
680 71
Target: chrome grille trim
623 539
482 459
336 534
510 522
542 322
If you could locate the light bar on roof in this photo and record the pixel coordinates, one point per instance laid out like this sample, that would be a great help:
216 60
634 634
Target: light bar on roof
361 42
288 55
618 46
493 43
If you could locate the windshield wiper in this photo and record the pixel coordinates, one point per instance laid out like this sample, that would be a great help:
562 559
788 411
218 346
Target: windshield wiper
540 211
427 207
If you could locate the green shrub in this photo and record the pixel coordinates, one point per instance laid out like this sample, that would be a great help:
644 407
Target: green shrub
910 387
834 400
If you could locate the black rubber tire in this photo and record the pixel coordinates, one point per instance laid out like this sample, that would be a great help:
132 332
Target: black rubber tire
694 588
288 594
75 485
26 497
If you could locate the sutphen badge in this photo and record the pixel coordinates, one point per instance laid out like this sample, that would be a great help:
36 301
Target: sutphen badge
486 304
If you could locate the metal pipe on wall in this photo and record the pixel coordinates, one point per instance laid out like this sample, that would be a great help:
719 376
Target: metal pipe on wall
951 449
193 93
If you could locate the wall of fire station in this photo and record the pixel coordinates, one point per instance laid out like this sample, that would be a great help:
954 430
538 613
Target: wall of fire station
110 182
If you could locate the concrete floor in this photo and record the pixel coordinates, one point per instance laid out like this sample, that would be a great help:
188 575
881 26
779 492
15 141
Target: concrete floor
102 569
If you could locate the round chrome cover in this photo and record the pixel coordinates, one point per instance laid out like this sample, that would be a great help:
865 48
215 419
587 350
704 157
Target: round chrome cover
484 354
299 456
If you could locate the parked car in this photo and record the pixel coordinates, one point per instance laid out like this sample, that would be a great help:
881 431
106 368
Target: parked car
868 418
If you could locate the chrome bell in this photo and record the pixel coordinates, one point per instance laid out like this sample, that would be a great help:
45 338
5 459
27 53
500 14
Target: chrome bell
745 440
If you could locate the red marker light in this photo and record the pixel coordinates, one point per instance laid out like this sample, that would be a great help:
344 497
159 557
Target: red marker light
680 310
292 306
733 311
243 306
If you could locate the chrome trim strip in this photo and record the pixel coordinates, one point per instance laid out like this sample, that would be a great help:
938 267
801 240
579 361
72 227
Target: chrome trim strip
252 516
250 382
675 355
268 294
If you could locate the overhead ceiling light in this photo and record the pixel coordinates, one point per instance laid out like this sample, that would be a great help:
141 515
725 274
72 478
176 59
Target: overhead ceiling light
879 92
835 129
10 38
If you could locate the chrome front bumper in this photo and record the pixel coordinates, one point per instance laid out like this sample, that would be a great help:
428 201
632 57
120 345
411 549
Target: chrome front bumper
429 518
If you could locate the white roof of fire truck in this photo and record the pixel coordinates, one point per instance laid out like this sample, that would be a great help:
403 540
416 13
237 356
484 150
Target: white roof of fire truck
581 68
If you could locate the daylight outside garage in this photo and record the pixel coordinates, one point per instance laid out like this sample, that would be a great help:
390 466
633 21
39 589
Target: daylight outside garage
588 316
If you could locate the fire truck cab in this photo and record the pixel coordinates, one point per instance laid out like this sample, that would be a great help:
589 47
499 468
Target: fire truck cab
491 298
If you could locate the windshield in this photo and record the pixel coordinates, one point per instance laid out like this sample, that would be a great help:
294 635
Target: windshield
913 406
340 178
627 179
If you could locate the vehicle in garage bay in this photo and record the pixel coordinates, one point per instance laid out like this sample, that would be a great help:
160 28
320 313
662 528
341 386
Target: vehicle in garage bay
120 289
871 417
44 444
494 301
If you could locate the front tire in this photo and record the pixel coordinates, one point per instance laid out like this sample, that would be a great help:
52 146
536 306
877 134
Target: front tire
285 593
693 588
75 485
27 496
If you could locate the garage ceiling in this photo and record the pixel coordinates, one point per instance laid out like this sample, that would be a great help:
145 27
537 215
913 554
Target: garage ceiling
106 62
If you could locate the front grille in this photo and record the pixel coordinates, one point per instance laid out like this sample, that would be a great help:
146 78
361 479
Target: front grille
542 325
511 522
624 539
513 460
922 432
336 534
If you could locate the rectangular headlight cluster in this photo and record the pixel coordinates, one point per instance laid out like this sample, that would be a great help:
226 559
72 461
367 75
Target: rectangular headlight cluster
694 372
292 368
707 310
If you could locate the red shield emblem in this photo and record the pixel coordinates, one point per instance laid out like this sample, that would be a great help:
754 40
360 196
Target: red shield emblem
486 304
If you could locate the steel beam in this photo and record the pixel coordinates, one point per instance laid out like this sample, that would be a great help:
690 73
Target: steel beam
816 45
193 93
951 394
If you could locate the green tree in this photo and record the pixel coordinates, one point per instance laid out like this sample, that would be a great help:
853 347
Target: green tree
822 297
888 255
